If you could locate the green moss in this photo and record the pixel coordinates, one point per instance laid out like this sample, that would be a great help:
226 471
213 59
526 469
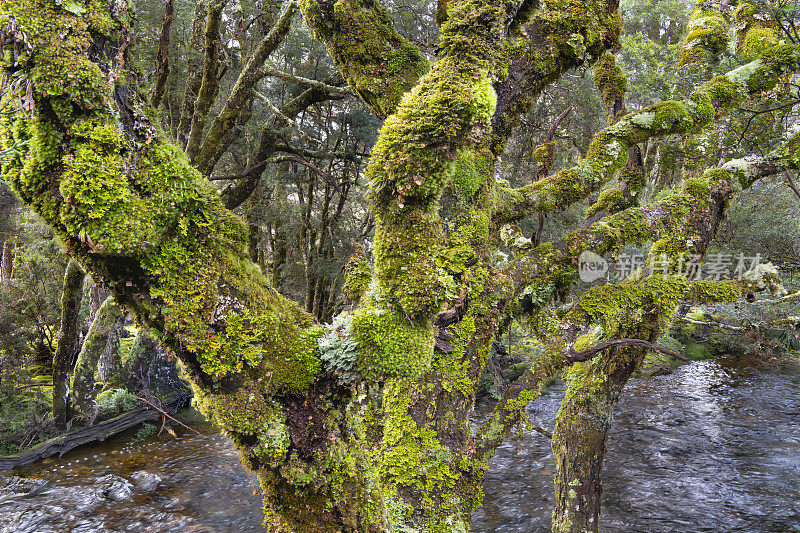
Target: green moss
669 116
484 97
390 345
413 456
757 41
723 93
610 81
610 201
697 352
270 342
357 274
713 291
377 62
587 340
756 30
707 36
469 172
113 402
544 154
701 108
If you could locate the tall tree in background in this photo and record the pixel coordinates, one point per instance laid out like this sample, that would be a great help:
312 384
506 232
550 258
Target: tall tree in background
364 426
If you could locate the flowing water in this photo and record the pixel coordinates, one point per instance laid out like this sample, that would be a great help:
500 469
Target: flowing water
715 446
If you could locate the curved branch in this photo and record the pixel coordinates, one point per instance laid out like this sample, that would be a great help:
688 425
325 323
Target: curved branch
237 194
378 63
564 35
585 355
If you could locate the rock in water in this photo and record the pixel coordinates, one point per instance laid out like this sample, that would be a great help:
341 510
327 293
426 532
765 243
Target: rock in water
145 481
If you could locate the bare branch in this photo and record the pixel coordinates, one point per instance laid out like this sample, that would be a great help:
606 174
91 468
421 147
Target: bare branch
295 126
291 78
195 73
236 109
791 184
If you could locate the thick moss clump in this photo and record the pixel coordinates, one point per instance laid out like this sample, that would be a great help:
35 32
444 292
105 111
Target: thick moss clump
610 201
707 36
756 31
612 84
390 345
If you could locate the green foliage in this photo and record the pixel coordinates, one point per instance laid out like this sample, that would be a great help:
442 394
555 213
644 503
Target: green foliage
339 351
31 302
145 432
114 402
697 352
357 274
25 418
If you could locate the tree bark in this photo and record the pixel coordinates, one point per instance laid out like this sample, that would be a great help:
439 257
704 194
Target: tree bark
162 56
579 439
390 448
7 262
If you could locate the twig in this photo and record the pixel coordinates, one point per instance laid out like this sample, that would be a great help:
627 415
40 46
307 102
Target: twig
292 78
164 413
715 324
551 132
585 355
287 120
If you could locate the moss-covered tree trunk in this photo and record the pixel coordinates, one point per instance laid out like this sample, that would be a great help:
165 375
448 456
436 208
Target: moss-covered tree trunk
102 337
71 296
593 389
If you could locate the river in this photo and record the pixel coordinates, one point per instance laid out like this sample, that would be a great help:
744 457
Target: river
714 446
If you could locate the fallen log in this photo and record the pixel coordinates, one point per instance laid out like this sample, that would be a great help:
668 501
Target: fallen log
96 433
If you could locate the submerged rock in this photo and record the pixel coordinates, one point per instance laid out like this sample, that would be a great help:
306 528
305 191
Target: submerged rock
145 481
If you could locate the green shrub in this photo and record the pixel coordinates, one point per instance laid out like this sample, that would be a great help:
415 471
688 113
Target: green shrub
113 402
146 431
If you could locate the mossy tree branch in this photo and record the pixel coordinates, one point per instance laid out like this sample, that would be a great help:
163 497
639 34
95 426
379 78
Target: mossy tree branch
612 85
608 151
707 34
562 35
756 30
377 62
